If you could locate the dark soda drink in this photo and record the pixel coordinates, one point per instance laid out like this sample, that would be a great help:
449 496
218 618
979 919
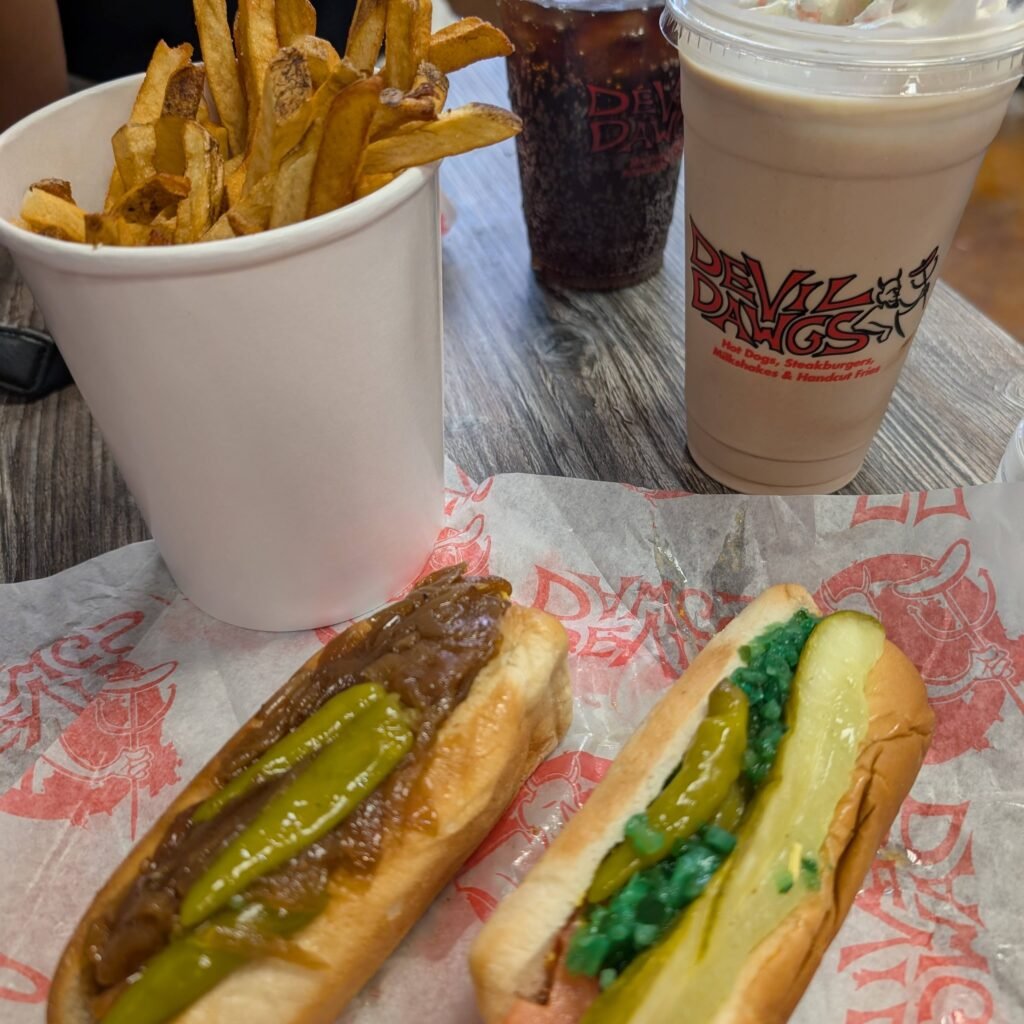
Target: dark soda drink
597 86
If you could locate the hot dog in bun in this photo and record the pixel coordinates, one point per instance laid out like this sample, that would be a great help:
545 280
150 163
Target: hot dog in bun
710 868
293 864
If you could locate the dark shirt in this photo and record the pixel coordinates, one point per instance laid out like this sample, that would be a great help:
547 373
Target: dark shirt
106 39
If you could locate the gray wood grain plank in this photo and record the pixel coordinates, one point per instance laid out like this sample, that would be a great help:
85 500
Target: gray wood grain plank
536 381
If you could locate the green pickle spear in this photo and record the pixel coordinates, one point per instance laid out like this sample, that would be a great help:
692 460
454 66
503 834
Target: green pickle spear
707 775
315 733
697 964
192 965
322 796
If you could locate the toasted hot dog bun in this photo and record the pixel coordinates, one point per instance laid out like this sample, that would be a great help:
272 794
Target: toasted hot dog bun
511 959
517 710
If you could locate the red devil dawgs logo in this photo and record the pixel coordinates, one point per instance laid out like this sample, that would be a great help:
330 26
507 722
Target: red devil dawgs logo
805 315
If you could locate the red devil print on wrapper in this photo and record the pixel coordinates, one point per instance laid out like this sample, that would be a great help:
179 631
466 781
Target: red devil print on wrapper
111 709
942 613
631 622
20 983
550 797
921 965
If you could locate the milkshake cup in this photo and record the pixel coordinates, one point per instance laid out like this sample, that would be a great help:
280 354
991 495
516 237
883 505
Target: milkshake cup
828 162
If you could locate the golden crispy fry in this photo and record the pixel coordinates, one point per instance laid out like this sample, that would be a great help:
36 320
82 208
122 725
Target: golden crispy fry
139 205
321 58
252 214
149 102
115 189
135 153
165 62
221 69
53 215
458 131
369 183
108 229
169 156
56 187
298 130
185 92
284 113
256 43
294 18
220 135
423 102
465 42
221 229
406 42
343 146
204 170
396 111
234 179
294 180
366 34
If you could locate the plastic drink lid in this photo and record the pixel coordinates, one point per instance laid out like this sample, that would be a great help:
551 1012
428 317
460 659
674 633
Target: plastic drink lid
1011 469
948 46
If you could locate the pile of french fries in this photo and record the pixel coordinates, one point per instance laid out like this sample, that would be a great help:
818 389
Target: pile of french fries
276 126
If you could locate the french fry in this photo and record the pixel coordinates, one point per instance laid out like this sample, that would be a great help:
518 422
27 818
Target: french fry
56 187
221 229
134 148
165 62
294 18
369 183
204 170
295 176
256 44
220 135
222 69
396 111
284 113
344 143
366 34
406 41
149 101
109 229
141 204
321 58
234 179
298 129
294 180
465 42
53 215
169 155
458 131
423 102
185 92
252 214
115 189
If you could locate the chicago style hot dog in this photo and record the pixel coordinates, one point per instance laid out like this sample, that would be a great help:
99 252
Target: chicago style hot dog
287 871
709 870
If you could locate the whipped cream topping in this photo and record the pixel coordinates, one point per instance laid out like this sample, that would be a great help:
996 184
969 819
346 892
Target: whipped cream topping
933 15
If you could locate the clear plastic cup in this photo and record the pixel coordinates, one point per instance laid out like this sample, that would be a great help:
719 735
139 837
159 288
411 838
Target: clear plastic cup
597 87
826 171
1011 468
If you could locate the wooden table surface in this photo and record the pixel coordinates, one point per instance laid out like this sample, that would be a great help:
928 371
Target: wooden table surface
537 381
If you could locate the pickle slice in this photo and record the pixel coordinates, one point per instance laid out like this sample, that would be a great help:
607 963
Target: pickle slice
697 965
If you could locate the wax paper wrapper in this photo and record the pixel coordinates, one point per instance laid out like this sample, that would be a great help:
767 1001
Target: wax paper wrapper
114 690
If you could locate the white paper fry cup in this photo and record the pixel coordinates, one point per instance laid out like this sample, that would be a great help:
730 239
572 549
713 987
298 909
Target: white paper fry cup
274 402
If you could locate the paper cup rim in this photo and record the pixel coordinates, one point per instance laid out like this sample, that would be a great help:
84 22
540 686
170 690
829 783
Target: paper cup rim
221 255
